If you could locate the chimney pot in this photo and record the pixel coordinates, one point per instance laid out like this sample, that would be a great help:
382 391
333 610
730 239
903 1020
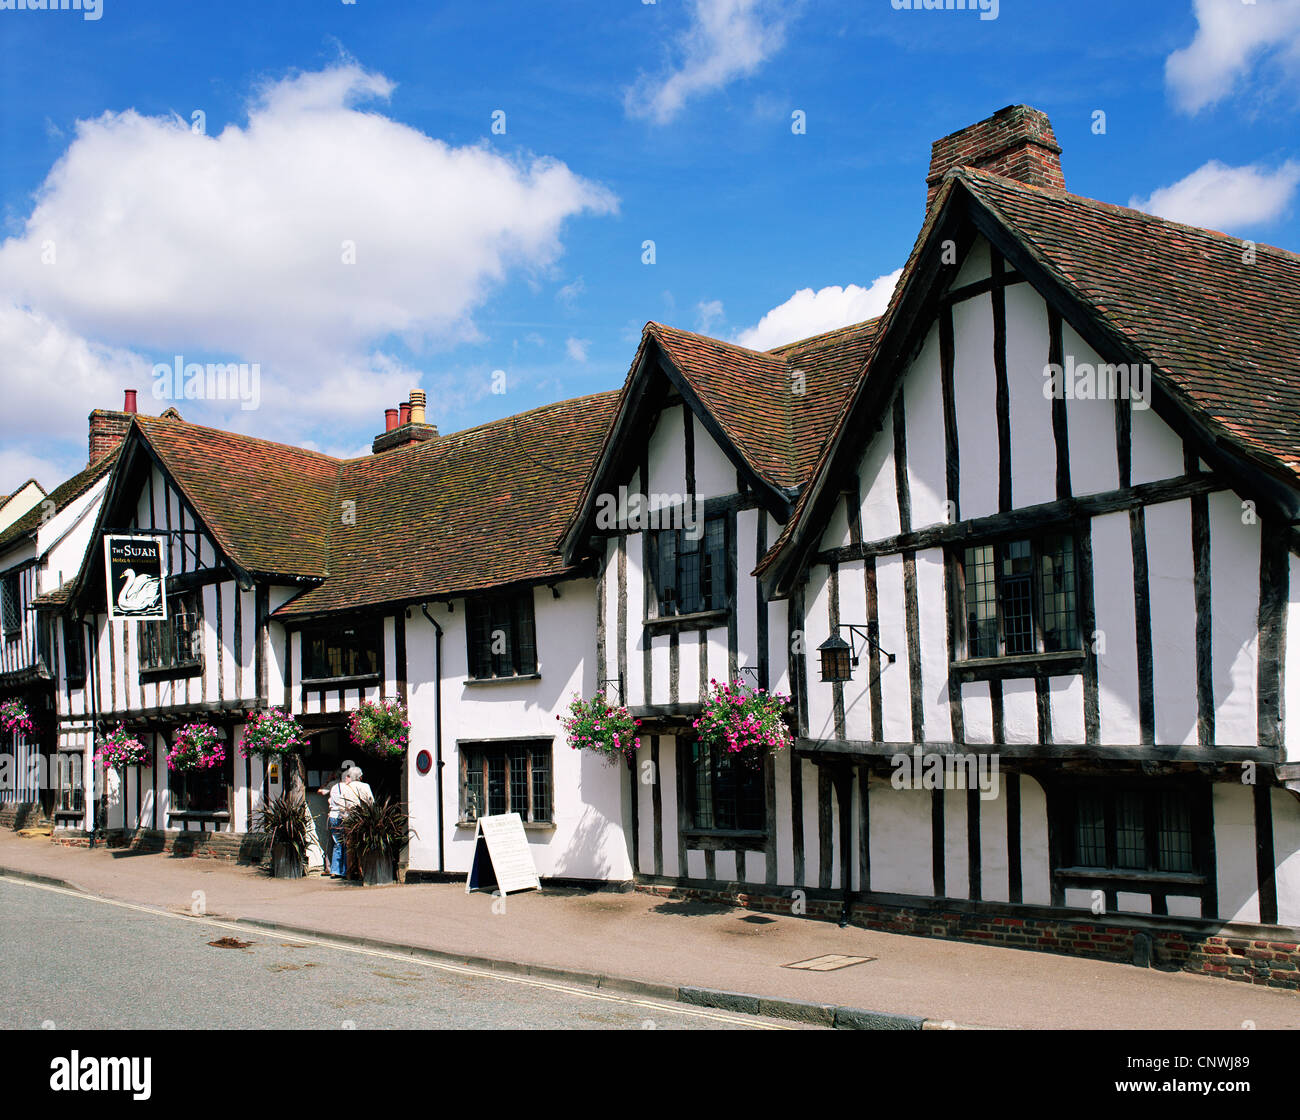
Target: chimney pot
417 406
405 410
128 404
390 419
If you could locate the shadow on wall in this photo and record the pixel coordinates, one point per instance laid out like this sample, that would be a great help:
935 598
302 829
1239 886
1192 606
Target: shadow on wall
596 836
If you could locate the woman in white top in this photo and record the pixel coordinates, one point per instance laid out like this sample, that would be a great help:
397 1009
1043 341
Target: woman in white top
344 795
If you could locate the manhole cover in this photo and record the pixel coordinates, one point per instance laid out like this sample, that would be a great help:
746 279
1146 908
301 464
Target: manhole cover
829 963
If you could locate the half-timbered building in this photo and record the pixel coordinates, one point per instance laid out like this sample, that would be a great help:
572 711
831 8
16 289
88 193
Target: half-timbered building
1021 552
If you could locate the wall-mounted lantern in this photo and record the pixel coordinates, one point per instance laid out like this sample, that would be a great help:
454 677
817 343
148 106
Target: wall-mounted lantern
839 658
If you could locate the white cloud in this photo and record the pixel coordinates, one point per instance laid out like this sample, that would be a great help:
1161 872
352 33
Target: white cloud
807 313
1232 40
576 348
568 295
232 247
726 39
1220 197
708 314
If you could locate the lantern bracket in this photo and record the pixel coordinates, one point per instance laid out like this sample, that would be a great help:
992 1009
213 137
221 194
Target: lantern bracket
867 634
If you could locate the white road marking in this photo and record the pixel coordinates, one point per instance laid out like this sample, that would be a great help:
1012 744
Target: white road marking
463 970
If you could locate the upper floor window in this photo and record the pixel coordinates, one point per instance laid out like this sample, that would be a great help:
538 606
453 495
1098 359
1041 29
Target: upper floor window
502 636
1021 597
343 651
176 643
11 615
74 652
690 568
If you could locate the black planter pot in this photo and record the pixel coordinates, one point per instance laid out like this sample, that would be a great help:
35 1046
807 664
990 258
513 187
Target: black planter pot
376 870
285 863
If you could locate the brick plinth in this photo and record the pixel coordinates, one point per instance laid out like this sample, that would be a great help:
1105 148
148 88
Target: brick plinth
1268 961
233 847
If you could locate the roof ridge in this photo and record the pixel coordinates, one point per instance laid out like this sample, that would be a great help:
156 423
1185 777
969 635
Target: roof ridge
710 338
155 420
824 334
1015 184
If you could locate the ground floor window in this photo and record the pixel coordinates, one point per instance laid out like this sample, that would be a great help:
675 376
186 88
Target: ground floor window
70 778
725 791
509 777
202 791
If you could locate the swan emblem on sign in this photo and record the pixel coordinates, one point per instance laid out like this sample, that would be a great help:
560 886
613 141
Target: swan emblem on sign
139 593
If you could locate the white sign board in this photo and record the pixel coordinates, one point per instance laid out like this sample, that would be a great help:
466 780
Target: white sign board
502 858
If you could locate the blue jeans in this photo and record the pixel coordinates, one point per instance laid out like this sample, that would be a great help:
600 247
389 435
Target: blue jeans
338 856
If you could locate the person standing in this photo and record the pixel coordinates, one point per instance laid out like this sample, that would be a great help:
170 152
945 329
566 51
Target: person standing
341 799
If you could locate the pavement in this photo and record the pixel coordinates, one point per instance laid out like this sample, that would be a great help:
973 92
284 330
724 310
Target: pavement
691 952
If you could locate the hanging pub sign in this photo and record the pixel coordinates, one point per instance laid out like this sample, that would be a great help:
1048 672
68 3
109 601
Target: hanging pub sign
135 578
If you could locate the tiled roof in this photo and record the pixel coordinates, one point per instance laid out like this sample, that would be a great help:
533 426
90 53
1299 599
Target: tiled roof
778 406
470 510
267 505
1226 333
62 496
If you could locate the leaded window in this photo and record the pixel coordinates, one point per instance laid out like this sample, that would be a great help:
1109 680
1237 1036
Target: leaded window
1021 597
502 636
512 777
690 567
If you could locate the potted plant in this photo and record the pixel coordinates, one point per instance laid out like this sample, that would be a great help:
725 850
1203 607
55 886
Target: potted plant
374 832
120 750
744 721
271 732
597 725
196 746
381 727
15 718
287 824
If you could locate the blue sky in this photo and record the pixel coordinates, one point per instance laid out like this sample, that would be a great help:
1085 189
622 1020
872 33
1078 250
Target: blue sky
329 123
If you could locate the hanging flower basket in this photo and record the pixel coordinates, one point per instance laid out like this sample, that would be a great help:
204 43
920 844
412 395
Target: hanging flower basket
119 749
381 727
197 746
744 721
596 725
14 717
271 733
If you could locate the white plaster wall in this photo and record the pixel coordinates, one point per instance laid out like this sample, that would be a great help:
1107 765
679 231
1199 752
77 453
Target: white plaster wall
977 712
1234 851
821 707
1286 853
1019 711
1112 558
1094 467
975 267
995 872
900 840
878 486
1035 864
975 395
1157 451
956 852
1291 665
932 617
784 819
1173 620
715 475
811 832
927 470
857 692
666 454
636 612
1065 697
1234 592
895 688
1033 444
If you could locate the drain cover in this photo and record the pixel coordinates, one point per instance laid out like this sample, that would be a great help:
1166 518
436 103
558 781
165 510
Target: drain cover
829 963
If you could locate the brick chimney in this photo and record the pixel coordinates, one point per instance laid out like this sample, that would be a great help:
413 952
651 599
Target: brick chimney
108 429
1016 142
404 425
